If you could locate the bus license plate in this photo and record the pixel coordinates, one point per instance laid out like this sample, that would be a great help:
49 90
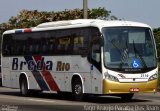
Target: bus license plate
134 89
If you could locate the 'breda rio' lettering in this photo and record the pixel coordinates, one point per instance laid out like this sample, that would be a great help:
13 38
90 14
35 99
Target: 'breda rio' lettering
62 66
16 65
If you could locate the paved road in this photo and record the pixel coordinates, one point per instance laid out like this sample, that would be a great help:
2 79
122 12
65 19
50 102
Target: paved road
10 100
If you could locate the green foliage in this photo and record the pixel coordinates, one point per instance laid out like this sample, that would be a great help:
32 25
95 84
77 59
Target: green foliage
101 13
159 79
32 18
157 40
27 18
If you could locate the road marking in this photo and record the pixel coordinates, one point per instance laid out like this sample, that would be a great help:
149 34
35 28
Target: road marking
24 99
39 100
10 97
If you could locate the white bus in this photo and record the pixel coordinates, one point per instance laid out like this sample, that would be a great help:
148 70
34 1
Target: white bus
81 56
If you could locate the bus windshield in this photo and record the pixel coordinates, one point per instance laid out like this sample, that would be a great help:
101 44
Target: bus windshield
129 49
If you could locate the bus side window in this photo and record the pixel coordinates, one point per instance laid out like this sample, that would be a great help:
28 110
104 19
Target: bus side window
6 50
81 41
7 44
78 44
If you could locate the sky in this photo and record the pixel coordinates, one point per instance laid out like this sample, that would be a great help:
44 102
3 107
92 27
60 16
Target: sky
146 11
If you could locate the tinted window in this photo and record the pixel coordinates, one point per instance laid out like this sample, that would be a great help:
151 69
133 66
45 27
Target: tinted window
57 42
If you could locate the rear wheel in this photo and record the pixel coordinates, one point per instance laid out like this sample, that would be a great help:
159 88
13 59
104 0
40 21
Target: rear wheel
24 87
77 89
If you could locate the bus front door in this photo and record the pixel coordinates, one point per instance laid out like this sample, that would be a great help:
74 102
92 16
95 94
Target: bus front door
96 74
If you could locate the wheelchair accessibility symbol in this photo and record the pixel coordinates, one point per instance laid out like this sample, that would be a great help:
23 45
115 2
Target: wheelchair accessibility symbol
136 63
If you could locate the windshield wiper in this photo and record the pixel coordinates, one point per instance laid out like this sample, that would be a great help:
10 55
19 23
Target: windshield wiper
124 56
112 41
125 53
138 54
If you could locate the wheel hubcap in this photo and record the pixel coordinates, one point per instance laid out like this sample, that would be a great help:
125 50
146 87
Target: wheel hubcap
78 89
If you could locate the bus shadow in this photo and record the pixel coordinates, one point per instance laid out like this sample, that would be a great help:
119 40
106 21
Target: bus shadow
10 93
111 99
68 97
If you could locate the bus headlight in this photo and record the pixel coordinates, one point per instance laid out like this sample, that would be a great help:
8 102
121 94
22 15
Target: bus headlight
111 77
153 77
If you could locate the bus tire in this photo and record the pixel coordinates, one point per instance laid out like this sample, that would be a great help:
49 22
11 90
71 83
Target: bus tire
127 97
77 89
24 87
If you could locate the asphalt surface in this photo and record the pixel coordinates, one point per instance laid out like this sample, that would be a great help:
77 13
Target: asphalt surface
11 100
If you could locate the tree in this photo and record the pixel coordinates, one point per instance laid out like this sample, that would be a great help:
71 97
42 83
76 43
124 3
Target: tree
156 33
31 18
157 40
27 18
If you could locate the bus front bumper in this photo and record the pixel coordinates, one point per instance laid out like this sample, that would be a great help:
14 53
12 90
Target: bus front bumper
111 87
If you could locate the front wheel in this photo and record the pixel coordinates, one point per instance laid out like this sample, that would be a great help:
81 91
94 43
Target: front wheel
127 97
77 90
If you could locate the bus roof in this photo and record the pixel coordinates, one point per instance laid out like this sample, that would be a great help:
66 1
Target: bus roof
78 23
